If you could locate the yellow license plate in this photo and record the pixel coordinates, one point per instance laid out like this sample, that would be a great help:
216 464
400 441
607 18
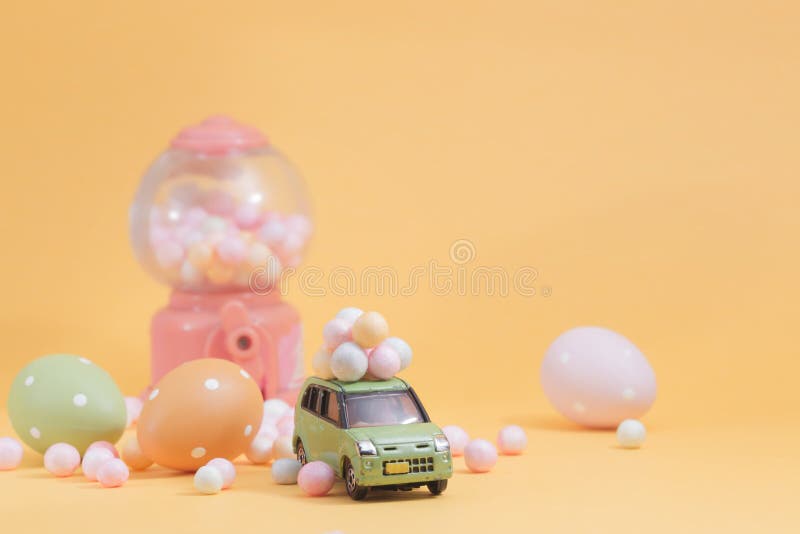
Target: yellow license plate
397 468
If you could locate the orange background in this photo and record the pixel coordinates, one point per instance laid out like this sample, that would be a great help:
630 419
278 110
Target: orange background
641 156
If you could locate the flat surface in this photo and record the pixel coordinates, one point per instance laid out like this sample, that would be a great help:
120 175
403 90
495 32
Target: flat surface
634 163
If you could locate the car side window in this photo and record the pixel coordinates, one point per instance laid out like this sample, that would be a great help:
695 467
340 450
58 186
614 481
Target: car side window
312 398
306 395
333 409
324 396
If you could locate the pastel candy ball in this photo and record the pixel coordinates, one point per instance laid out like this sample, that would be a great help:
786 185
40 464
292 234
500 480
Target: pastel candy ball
93 460
133 409
335 332
10 454
597 378
247 216
260 450
226 468
512 440
286 425
113 474
370 329
203 409
63 398
208 480
285 471
457 437
316 478
168 254
104 445
384 362
631 434
349 315
321 364
403 350
275 410
480 456
133 456
282 448
232 250
349 362
62 459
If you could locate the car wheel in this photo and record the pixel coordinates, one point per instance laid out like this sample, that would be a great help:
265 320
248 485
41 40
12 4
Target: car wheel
437 486
355 491
301 452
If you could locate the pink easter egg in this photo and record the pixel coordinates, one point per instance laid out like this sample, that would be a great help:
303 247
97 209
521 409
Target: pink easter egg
335 332
480 456
457 437
226 469
62 459
113 473
597 378
10 454
384 362
316 478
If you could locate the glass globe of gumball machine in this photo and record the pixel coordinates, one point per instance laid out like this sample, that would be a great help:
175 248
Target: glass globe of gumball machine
218 216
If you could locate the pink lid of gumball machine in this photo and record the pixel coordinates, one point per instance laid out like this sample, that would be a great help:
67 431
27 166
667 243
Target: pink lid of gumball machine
216 206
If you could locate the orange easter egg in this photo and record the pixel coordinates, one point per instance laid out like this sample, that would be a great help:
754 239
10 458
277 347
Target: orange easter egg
204 409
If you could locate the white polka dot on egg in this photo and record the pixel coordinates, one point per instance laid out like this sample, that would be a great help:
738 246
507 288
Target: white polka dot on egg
79 400
29 381
198 452
212 384
244 373
85 361
248 430
35 433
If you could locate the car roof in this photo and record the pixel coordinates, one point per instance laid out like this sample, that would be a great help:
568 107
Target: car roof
364 386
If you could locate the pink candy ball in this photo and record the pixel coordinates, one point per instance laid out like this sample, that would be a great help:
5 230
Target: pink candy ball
480 456
226 469
220 202
316 478
10 454
93 460
384 362
247 216
512 440
168 254
286 425
335 332
232 250
62 459
113 473
103 445
458 439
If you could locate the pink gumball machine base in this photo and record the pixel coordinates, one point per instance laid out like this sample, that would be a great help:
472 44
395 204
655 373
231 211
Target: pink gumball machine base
260 333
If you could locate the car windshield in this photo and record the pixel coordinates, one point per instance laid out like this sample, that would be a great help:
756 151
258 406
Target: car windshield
381 409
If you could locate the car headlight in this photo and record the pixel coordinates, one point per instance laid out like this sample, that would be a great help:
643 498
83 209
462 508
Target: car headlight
366 448
440 443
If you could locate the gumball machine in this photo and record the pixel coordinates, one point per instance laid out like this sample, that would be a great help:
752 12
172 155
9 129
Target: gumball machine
218 216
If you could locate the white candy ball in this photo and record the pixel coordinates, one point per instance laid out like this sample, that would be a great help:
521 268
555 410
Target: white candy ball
284 471
260 450
457 437
208 480
349 362
512 440
283 448
274 410
226 469
631 434
349 315
336 332
321 363
403 350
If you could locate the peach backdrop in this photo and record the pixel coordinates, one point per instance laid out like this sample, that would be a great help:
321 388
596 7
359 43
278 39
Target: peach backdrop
642 157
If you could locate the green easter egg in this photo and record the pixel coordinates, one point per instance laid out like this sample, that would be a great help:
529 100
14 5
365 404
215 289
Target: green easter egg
65 398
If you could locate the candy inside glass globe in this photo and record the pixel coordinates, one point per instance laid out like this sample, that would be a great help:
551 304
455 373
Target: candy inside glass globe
220 210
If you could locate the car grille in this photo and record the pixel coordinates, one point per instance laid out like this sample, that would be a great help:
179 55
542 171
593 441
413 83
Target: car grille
415 465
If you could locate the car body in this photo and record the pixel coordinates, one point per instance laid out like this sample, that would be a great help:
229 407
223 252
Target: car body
372 433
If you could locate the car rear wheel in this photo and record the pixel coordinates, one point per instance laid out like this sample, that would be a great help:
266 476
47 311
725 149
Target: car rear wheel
355 491
437 486
301 452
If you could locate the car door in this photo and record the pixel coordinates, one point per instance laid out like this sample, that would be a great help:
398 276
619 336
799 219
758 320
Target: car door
313 431
331 434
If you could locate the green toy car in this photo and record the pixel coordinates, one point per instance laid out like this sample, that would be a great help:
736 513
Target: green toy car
374 434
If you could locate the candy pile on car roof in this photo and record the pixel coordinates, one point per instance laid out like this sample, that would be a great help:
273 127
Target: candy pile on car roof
357 346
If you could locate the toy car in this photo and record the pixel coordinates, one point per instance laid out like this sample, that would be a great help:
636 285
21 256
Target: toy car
374 434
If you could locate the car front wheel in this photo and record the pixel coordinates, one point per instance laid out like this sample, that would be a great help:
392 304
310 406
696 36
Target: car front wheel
301 453
355 491
437 486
